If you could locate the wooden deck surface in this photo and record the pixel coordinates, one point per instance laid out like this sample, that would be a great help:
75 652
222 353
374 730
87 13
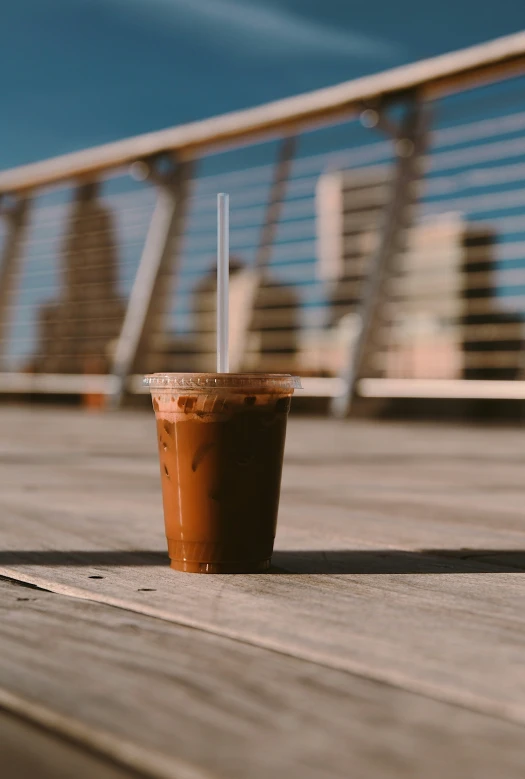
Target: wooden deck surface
387 641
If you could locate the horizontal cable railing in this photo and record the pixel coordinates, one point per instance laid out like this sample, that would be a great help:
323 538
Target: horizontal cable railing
100 280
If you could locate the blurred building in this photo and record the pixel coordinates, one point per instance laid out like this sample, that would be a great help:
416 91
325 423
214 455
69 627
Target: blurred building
444 316
263 324
77 330
272 343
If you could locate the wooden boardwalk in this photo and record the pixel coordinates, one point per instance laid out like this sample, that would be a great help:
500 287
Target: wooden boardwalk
388 640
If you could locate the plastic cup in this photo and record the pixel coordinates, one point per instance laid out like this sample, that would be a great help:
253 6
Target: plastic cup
221 445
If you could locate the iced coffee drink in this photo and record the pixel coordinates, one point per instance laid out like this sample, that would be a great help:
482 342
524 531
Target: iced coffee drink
221 443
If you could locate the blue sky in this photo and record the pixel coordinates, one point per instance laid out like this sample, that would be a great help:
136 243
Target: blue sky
82 72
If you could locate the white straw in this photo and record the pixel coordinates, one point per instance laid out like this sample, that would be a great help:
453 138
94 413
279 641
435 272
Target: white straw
223 280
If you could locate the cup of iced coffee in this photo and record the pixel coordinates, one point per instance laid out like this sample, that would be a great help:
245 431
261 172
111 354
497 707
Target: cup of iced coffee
221 444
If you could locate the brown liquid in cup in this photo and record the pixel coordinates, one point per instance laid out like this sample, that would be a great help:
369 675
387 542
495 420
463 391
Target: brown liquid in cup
221 457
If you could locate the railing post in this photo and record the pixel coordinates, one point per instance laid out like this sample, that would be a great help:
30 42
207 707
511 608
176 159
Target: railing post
283 164
151 290
17 218
409 146
274 206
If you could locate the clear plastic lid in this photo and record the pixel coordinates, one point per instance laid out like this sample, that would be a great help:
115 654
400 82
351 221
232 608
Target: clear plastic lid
205 382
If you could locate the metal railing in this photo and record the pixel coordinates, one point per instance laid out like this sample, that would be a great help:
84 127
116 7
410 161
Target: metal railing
377 238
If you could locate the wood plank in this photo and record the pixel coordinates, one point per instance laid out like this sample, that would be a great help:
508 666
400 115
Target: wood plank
28 751
197 705
405 546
